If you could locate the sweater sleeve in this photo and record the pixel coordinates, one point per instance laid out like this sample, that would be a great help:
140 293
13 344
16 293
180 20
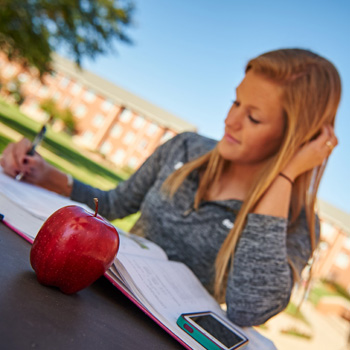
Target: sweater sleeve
260 284
127 197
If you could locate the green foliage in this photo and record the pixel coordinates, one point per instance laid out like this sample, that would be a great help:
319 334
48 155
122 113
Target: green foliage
66 115
68 119
31 30
341 291
127 170
49 106
292 310
13 88
321 289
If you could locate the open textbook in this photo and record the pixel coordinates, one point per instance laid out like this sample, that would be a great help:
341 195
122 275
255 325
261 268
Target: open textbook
163 289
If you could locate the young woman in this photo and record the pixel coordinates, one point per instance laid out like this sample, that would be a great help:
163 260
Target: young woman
239 212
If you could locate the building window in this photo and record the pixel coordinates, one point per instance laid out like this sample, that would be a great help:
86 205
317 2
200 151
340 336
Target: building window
80 111
151 130
132 163
119 156
66 103
327 230
43 91
75 89
116 130
57 95
129 138
138 122
35 84
323 246
89 96
33 107
64 82
23 77
98 120
88 136
167 136
106 105
125 115
143 144
347 243
106 147
342 260
9 71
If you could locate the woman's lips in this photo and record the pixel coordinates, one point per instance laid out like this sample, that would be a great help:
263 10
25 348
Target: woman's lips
231 139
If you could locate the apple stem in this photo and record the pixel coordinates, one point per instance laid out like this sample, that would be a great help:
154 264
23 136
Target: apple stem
96 206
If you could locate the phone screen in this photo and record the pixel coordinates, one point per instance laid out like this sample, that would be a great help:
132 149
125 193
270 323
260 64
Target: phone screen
218 330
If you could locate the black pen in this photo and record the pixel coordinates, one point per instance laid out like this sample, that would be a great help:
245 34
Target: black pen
38 138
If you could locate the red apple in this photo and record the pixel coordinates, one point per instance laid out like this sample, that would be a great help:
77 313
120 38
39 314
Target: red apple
73 249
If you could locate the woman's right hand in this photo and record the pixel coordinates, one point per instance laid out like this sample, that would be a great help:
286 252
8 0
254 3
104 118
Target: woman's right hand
36 170
15 160
313 153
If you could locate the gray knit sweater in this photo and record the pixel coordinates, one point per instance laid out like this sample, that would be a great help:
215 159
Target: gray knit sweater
261 281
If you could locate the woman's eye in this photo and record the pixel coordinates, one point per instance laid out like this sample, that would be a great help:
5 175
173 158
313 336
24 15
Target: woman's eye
253 120
235 103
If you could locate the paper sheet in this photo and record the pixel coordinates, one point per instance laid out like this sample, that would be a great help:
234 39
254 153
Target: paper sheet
36 200
168 289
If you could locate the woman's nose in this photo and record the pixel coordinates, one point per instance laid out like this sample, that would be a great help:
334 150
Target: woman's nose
234 118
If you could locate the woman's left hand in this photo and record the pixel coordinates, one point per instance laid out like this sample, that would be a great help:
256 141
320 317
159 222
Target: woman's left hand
313 153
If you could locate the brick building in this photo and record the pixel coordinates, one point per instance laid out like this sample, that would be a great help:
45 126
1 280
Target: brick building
123 127
334 258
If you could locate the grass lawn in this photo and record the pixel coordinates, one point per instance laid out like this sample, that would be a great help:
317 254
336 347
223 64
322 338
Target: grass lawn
59 150
296 333
292 310
321 290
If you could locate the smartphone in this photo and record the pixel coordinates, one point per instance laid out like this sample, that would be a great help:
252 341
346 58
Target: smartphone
212 331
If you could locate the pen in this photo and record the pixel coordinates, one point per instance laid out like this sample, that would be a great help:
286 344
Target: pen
38 138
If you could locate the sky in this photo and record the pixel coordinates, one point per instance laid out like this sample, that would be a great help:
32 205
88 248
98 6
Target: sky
188 56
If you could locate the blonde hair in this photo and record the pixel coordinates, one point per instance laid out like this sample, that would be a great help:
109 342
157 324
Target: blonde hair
311 91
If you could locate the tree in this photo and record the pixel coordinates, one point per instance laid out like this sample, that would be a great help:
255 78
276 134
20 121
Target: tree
65 115
14 89
11 89
30 30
